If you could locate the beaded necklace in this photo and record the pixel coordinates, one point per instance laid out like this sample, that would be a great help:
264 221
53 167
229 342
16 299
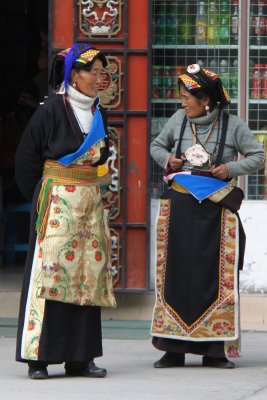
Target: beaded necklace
198 154
204 131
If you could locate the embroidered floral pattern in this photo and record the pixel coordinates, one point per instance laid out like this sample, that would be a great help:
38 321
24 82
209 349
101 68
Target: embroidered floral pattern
34 318
70 255
74 244
40 253
222 328
70 188
232 233
76 255
65 270
55 199
87 163
98 255
219 321
95 244
57 278
92 156
230 257
53 292
232 350
54 223
31 325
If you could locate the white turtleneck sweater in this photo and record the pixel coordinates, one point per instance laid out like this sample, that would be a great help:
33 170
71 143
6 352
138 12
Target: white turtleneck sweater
81 104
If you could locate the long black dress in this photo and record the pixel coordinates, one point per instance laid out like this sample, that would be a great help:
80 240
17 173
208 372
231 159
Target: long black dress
70 333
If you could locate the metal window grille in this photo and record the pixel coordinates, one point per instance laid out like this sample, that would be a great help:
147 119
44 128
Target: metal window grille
256 184
177 42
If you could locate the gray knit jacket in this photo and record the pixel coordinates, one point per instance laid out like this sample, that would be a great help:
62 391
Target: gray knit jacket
239 139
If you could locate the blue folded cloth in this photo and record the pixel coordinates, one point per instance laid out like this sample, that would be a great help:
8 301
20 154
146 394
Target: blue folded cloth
200 186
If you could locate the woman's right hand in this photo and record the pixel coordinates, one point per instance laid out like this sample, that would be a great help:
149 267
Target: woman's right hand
175 163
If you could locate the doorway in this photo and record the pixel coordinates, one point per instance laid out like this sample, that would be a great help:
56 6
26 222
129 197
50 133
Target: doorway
24 83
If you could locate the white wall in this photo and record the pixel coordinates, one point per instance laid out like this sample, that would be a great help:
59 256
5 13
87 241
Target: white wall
253 215
253 278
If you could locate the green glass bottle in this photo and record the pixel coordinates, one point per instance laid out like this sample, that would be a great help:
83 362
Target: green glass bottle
234 23
201 24
224 24
171 23
224 73
234 80
213 37
186 26
160 24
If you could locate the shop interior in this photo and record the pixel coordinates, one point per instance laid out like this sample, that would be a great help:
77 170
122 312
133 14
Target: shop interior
24 72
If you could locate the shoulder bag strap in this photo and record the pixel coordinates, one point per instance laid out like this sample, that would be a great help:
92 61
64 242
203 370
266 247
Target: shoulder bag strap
222 140
178 150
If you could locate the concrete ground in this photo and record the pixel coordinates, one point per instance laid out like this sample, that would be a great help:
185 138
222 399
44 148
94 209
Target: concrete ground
131 375
129 355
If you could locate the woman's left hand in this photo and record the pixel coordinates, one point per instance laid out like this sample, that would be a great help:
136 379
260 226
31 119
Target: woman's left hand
220 172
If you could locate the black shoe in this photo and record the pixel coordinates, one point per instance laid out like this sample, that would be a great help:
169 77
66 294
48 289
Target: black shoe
217 362
170 360
90 371
38 373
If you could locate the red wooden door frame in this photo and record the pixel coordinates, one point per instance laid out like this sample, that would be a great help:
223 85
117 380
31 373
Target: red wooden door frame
131 46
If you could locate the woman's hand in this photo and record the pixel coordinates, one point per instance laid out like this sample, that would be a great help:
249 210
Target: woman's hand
175 163
220 172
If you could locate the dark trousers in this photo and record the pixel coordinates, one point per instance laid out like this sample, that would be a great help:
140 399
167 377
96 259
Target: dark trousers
72 365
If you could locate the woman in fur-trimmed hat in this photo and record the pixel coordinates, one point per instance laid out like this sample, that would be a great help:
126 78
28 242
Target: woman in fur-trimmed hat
68 270
201 243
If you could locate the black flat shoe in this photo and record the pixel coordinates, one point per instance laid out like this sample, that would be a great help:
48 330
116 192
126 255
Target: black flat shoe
170 360
217 362
90 371
38 372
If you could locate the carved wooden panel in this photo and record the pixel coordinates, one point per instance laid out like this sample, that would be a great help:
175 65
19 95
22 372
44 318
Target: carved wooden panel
115 256
98 18
110 93
111 193
111 199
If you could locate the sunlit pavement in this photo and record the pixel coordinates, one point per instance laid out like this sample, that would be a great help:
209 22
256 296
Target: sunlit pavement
131 375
